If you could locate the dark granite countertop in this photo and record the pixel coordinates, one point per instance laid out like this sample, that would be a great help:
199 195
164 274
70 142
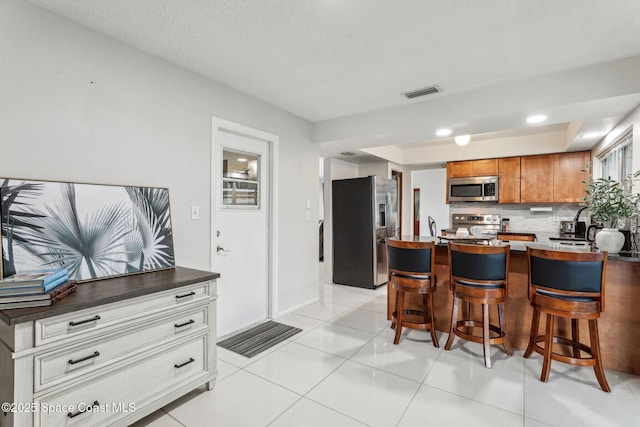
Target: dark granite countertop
521 246
99 292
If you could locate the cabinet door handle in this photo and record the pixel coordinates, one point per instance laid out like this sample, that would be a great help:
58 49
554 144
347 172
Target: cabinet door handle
93 319
191 360
82 359
184 324
190 294
78 412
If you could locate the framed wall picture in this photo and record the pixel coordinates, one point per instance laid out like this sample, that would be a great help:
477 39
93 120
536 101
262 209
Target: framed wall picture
93 230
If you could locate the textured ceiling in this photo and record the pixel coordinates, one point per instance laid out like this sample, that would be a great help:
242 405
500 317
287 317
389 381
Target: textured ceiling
328 59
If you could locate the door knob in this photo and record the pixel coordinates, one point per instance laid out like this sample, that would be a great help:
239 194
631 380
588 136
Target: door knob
221 249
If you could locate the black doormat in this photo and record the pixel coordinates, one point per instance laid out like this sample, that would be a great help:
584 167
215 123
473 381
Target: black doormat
259 338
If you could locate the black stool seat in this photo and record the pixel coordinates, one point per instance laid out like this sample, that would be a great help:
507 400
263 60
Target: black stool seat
478 275
412 271
568 285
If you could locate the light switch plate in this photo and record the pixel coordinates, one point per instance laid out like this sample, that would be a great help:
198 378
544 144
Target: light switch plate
195 212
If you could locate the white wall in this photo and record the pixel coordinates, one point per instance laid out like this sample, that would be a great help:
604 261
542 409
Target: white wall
78 106
374 169
433 198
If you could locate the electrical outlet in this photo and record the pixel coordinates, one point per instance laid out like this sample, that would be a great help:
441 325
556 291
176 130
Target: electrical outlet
195 212
556 218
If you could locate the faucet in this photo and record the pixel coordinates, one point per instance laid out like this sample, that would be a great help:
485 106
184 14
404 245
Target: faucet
577 217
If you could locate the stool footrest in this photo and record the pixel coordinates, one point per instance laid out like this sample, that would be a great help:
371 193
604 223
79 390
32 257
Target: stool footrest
413 319
478 338
572 360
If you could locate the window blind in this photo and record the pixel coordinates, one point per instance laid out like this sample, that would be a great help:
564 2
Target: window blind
616 161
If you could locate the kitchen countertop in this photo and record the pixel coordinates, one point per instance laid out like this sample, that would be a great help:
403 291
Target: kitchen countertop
542 243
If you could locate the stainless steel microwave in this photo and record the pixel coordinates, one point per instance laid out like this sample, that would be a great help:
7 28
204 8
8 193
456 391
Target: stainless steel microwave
475 189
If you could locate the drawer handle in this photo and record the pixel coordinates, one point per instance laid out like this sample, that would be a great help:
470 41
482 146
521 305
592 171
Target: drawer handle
73 362
191 360
185 323
93 319
190 294
79 412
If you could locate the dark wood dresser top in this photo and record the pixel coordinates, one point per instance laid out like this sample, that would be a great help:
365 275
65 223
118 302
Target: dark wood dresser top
99 292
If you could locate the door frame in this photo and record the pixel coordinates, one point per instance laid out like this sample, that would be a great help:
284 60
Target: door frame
219 124
397 175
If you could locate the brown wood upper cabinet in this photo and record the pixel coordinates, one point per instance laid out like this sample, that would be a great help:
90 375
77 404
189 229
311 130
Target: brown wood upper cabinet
569 172
536 185
509 184
548 178
467 168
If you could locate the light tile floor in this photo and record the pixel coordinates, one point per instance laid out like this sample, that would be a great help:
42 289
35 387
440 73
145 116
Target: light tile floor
343 370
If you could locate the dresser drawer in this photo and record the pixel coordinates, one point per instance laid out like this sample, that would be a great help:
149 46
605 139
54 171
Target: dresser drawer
67 364
109 397
96 320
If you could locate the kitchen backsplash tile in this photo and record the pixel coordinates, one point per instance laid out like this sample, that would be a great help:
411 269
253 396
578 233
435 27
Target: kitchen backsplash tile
521 218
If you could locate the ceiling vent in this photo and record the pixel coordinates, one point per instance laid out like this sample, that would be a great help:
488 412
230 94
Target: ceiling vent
421 92
348 154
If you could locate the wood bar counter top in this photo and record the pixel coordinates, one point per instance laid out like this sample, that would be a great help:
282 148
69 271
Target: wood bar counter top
619 324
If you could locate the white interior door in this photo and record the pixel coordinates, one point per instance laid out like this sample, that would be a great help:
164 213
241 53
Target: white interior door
240 240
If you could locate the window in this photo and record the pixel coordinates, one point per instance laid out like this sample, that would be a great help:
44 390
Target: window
240 184
616 161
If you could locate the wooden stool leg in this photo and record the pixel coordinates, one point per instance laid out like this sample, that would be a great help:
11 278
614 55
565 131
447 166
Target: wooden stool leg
434 337
485 335
535 323
469 316
501 322
393 321
548 347
400 315
575 337
425 307
595 350
454 320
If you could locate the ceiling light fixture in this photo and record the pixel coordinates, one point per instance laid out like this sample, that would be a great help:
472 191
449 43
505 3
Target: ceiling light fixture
462 140
590 135
536 119
443 132
242 159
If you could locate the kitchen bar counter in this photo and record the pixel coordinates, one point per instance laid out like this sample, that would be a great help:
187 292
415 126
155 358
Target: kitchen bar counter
619 325
542 243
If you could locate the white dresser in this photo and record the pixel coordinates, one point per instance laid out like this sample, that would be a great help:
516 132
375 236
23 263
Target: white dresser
113 352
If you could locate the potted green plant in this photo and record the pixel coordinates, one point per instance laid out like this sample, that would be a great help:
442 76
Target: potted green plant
609 203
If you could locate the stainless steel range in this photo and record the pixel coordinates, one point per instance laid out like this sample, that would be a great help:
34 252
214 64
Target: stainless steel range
490 223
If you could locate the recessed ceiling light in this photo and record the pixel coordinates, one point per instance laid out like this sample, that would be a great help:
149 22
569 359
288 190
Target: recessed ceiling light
590 135
462 139
443 132
242 159
536 119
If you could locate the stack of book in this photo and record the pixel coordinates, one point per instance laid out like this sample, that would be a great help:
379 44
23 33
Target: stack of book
35 288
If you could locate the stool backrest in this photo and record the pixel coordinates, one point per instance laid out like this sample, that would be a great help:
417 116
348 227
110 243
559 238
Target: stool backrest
567 274
479 265
408 258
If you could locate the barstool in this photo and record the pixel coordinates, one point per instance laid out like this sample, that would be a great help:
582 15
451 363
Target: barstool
479 275
412 271
569 285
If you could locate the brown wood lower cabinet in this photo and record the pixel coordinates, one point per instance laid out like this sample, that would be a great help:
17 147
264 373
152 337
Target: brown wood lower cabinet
619 324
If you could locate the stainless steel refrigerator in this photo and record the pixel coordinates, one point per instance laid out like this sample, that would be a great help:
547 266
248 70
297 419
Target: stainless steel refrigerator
364 214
